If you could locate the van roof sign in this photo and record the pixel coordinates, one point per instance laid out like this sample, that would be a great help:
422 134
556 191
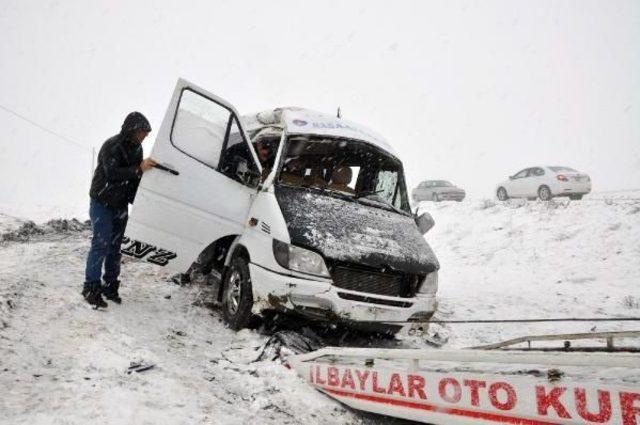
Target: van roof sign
308 122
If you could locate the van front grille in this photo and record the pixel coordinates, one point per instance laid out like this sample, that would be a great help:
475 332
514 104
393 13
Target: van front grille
372 282
373 300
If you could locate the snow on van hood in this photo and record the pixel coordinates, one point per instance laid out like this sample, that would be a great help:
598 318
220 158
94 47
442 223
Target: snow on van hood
355 233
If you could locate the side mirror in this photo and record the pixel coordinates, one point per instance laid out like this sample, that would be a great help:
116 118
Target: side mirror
511 177
425 222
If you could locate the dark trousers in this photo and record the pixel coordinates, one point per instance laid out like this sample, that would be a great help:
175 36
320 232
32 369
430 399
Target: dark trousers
108 229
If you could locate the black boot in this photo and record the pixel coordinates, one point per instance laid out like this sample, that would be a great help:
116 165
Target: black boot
110 292
92 294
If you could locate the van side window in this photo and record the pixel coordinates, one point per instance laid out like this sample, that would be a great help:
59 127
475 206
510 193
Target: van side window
237 161
538 171
200 127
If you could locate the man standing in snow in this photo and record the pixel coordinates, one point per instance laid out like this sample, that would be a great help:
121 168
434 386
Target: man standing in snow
114 185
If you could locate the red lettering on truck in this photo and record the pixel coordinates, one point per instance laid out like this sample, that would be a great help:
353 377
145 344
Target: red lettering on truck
376 388
604 406
511 400
551 401
544 401
347 380
416 384
395 385
457 390
333 376
475 386
630 405
362 378
319 379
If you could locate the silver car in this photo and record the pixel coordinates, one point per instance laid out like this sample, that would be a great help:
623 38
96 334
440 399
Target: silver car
437 190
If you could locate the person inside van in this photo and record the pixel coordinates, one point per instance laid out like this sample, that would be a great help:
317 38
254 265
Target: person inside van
293 172
266 150
340 179
316 177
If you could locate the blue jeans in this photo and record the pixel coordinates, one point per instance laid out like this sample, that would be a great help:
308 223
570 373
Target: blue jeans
108 229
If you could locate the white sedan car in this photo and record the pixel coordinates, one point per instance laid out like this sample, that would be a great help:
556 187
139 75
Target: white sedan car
545 183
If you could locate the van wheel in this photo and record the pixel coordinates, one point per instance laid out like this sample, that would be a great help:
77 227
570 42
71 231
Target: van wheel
502 194
237 296
544 193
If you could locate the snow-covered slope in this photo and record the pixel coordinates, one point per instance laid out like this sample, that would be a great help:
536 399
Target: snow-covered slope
62 362
524 259
8 223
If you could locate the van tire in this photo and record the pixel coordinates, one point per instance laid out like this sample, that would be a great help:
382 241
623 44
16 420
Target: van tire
237 295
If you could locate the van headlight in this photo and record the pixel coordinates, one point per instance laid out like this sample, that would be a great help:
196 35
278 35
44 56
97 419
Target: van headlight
299 259
429 284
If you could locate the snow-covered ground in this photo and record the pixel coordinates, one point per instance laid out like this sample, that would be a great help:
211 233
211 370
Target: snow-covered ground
524 259
62 362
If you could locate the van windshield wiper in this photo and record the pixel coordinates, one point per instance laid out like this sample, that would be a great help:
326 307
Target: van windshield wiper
323 190
366 193
373 202
338 194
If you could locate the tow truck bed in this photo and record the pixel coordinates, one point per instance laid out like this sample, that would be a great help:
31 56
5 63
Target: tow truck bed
481 386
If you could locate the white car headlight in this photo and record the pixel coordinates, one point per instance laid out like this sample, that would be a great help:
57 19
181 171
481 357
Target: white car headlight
429 284
299 259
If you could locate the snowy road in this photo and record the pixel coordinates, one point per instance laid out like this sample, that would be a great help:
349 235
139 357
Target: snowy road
62 362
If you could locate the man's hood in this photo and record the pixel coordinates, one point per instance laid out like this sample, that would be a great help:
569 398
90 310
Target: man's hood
351 232
134 121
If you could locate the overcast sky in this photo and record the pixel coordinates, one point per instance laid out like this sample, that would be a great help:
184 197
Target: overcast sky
466 91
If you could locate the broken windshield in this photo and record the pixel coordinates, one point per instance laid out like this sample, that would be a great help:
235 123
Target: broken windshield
347 169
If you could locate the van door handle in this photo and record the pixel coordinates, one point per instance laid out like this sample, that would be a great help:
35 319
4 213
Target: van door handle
167 169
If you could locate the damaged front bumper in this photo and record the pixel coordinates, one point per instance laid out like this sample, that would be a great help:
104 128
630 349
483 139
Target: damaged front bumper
320 300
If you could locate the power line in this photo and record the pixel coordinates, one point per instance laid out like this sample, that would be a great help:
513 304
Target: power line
45 129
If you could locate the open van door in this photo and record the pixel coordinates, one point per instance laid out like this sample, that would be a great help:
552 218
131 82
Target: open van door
202 191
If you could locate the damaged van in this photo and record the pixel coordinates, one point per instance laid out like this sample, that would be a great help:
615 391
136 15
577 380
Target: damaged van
291 210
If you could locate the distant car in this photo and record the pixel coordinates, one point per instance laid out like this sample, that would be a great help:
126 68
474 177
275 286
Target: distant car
545 183
437 190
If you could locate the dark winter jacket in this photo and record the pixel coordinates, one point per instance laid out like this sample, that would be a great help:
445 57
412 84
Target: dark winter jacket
117 175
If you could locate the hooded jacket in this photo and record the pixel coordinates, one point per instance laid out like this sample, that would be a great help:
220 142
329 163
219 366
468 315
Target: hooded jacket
117 174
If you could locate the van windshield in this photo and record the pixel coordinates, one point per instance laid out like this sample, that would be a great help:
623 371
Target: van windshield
346 169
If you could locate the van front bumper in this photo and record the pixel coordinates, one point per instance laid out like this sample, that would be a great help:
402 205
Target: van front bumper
319 299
